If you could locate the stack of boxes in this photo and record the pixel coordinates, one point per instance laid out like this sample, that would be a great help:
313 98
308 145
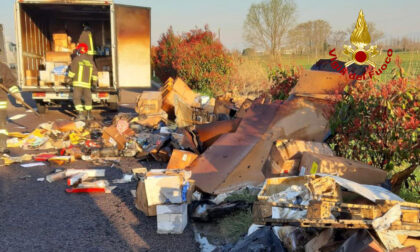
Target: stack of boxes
57 61
166 195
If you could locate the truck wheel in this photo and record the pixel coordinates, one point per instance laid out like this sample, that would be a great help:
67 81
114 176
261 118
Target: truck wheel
113 106
41 107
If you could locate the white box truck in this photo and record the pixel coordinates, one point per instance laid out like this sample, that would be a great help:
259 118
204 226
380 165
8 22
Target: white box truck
121 36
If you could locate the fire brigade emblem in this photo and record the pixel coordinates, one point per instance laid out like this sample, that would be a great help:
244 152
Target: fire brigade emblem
360 38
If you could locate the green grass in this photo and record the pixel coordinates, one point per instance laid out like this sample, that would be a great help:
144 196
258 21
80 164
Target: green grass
235 225
412 193
410 62
244 195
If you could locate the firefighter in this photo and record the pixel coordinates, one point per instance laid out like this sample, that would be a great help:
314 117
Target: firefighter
83 74
86 38
8 80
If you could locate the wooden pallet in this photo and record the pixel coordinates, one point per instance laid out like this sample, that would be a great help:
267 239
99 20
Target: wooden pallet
357 216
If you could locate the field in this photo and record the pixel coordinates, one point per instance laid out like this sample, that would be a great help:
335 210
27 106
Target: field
410 62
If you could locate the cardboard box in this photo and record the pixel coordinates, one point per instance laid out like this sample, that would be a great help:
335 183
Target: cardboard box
104 79
319 82
181 159
59 36
284 150
356 171
149 102
103 63
163 189
31 77
111 135
142 202
46 76
172 219
59 79
58 57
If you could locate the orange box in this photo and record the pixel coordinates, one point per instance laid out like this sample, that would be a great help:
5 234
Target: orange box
59 36
181 159
31 77
58 57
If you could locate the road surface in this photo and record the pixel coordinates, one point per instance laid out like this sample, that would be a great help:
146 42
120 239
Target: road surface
41 216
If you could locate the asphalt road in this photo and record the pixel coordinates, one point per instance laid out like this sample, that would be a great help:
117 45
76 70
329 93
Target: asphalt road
41 216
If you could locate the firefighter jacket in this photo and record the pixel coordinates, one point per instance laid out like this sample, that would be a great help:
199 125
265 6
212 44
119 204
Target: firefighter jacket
83 71
86 37
8 80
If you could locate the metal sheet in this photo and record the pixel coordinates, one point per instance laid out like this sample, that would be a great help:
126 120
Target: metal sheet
132 27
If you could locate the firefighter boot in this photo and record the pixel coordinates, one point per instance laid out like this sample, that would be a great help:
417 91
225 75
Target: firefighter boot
89 116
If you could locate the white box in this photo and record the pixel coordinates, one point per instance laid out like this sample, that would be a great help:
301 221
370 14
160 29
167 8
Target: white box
172 219
163 189
46 76
103 79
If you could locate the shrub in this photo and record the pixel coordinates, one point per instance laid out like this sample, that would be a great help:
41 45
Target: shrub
164 55
197 57
284 79
378 124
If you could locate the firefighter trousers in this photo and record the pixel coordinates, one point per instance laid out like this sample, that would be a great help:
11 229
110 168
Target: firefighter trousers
80 93
3 121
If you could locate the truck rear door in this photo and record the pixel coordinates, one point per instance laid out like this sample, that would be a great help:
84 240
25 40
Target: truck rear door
132 40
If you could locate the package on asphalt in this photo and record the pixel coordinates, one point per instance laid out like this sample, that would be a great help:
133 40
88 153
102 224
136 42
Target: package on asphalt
180 159
141 200
152 190
172 219
312 163
149 102
161 189
113 137
151 121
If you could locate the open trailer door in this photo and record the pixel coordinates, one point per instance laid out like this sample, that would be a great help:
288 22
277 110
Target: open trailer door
132 40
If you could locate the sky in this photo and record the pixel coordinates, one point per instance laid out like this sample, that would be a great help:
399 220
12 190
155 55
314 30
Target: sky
395 18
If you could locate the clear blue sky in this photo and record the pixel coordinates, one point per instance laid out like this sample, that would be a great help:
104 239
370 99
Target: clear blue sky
395 18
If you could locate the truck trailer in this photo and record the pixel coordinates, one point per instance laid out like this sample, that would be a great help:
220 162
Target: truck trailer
121 37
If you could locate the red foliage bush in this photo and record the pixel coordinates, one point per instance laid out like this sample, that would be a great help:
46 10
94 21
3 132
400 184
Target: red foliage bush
197 57
379 123
284 79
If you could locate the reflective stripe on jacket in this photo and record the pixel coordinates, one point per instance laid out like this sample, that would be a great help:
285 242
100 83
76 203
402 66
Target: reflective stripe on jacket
83 71
86 37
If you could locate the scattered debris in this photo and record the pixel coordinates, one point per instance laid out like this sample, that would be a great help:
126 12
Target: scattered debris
29 165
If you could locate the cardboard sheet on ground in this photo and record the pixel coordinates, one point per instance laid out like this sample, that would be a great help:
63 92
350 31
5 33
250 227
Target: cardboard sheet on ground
370 192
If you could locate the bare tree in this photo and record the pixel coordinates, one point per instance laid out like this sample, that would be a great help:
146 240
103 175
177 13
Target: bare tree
375 34
267 23
310 36
338 38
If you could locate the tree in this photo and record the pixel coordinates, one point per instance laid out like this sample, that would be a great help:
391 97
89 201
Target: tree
338 38
310 36
268 22
375 34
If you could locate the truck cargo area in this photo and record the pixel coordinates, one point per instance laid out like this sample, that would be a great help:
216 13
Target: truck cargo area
39 23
